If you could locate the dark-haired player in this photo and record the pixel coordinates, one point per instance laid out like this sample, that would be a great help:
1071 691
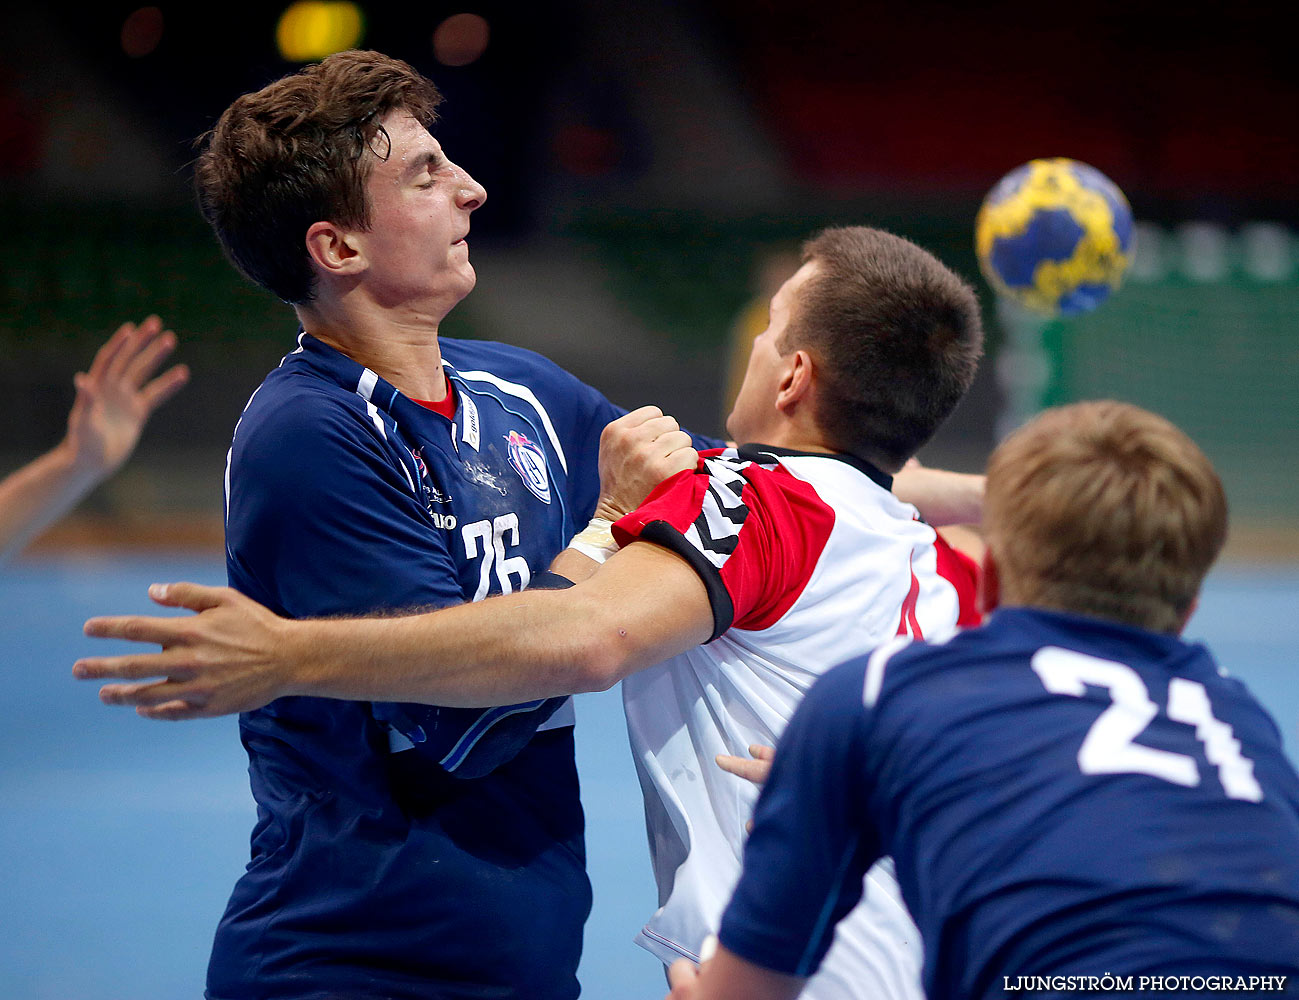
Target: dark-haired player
1070 790
780 557
400 851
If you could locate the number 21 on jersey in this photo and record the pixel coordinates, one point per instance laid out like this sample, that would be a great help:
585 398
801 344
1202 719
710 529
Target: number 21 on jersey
1110 747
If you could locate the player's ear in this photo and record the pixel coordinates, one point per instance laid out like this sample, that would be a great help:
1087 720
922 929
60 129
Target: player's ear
795 380
989 584
334 250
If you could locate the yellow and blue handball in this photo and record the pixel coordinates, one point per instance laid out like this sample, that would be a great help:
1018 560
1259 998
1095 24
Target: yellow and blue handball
1055 236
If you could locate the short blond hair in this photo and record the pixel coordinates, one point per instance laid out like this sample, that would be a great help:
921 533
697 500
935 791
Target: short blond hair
1104 509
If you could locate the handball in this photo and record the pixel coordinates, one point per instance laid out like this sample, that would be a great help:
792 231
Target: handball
1055 236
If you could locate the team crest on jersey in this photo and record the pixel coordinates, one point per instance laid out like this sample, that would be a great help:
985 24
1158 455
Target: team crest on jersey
529 462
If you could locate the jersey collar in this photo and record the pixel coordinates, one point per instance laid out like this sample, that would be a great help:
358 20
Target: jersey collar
752 452
338 368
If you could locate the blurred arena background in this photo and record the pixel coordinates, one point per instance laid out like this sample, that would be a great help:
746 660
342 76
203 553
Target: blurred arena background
650 165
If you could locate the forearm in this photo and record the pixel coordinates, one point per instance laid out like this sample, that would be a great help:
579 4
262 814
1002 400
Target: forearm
40 493
942 497
501 651
573 565
641 607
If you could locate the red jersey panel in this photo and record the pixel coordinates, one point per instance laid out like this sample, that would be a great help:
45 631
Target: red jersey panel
752 530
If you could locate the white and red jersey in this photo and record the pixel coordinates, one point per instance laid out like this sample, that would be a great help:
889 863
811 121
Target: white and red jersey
809 560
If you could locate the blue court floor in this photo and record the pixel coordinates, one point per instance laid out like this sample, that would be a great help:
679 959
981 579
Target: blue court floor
123 836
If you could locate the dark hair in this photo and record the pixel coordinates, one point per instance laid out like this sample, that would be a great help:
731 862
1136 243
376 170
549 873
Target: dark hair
896 337
295 153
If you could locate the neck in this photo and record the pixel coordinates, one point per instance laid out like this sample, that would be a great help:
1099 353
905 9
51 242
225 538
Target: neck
799 442
399 345
794 438
793 432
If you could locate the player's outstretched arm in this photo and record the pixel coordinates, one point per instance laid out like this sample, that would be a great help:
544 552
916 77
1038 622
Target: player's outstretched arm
726 976
643 605
942 497
114 401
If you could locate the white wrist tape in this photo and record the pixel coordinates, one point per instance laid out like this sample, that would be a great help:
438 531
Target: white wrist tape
595 541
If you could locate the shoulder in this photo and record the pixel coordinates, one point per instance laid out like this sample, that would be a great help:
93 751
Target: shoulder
491 361
292 403
836 482
294 424
762 496
294 397
729 495
843 689
752 531
771 475
919 672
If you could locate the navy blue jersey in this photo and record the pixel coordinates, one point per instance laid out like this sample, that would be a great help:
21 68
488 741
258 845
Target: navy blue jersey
1060 795
405 850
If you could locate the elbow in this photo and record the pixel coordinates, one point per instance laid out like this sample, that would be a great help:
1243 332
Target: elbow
602 652
615 631
599 663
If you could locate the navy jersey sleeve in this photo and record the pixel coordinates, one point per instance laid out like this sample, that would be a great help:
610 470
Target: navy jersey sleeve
812 841
322 521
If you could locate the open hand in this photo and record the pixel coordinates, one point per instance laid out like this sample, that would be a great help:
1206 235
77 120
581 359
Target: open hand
218 662
113 398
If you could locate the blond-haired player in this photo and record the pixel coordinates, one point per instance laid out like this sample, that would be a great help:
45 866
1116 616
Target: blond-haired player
1072 795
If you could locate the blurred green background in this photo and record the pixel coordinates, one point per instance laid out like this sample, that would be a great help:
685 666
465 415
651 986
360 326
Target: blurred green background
648 165
1210 342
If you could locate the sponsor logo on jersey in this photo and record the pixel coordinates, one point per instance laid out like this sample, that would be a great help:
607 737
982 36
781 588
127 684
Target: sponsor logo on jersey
470 432
529 462
431 492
